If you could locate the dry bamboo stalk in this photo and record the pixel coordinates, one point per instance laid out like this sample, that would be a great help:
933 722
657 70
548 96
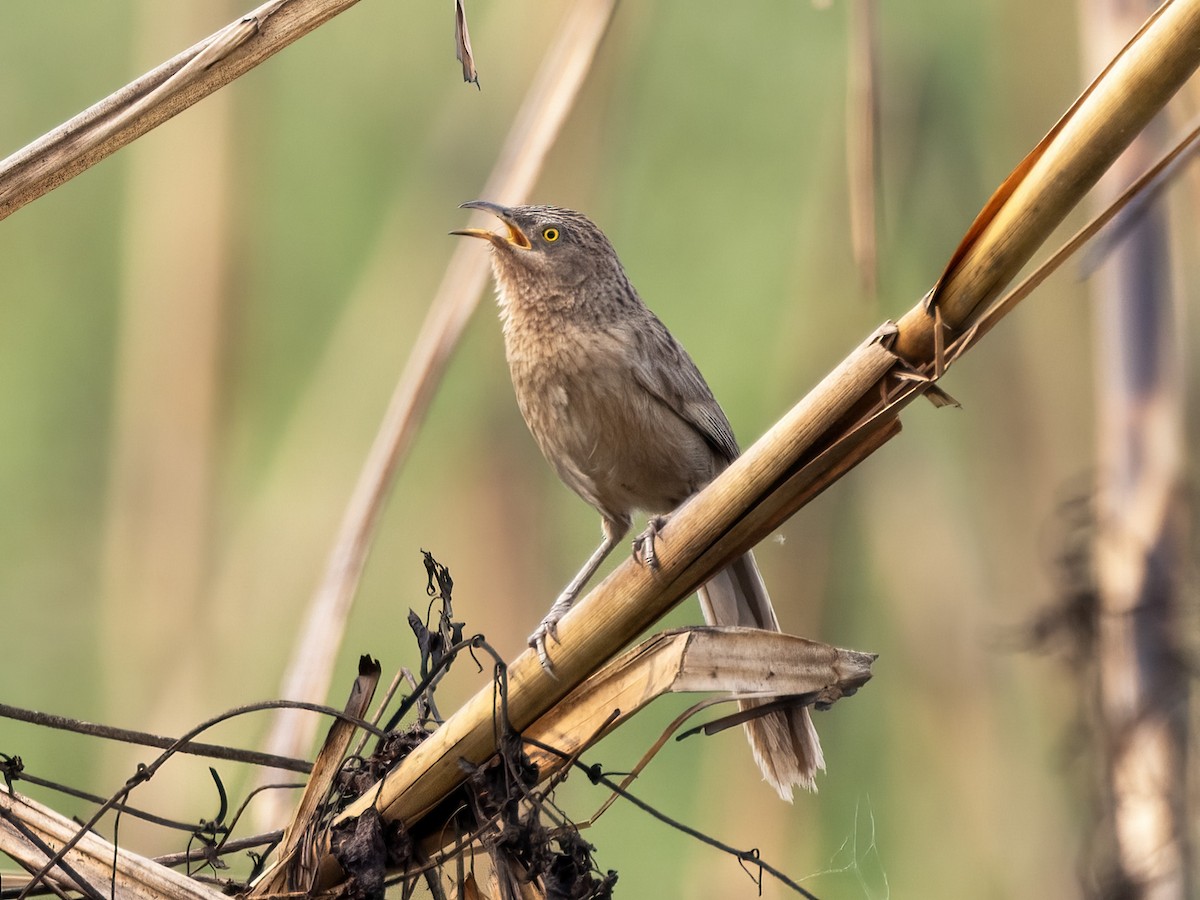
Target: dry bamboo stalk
92 858
541 116
156 96
1148 181
782 489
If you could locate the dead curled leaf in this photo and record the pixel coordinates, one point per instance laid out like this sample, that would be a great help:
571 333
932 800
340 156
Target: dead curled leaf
359 848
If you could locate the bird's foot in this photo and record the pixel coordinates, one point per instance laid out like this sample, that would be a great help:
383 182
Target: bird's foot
548 630
643 544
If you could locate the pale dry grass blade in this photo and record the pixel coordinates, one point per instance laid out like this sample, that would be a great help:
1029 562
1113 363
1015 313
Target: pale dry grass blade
158 95
537 125
862 139
174 271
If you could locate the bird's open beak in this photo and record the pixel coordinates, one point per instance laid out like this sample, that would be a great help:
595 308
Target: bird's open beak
515 236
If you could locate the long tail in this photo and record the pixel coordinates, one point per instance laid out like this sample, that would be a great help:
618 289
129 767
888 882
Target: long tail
785 743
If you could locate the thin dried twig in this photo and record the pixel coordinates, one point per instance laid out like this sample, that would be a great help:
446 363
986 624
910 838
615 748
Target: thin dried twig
227 847
145 772
145 739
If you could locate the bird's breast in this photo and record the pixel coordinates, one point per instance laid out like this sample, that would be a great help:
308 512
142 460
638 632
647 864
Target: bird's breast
609 439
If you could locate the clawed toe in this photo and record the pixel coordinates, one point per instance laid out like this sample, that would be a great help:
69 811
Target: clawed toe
537 640
643 544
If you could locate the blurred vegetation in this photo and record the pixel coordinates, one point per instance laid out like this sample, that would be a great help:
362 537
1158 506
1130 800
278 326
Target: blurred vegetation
199 336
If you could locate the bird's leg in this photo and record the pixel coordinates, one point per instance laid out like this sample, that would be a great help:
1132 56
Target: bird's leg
643 544
613 532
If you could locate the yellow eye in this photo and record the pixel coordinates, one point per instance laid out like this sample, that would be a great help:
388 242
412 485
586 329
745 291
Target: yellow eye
550 235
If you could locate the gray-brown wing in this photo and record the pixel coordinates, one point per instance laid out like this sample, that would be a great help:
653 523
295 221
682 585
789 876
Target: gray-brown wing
666 371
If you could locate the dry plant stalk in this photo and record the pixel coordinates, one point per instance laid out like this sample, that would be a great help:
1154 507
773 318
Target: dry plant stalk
332 755
633 597
156 96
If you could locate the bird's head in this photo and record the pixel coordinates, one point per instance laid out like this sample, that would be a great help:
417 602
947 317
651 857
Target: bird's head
545 249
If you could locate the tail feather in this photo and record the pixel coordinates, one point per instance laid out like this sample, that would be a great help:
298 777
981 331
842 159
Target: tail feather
784 743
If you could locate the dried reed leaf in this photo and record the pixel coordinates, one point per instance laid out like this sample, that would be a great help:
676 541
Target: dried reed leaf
462 44
737 661
92 857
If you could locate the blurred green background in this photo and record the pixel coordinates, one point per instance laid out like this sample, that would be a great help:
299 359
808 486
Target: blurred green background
200 335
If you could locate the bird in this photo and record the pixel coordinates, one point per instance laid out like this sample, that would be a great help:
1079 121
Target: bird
623 415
